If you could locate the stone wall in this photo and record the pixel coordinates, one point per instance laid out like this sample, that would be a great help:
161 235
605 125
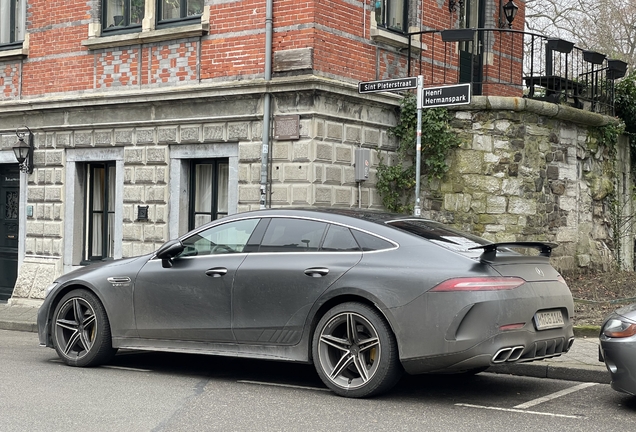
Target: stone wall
530 170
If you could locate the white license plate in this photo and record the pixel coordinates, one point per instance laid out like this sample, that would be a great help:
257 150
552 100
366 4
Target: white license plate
548 319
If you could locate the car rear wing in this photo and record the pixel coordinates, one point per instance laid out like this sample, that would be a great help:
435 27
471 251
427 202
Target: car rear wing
490 250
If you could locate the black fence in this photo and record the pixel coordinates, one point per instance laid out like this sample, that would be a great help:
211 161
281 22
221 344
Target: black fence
506 62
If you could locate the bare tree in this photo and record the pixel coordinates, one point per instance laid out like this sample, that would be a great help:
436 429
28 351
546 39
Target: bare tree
606 26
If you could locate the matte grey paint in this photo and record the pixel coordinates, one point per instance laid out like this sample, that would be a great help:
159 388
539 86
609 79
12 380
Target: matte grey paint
268 311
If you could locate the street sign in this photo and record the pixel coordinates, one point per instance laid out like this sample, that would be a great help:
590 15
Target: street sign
432 97
387 85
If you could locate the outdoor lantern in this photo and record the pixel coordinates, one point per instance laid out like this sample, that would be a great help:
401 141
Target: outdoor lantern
510 11
23 151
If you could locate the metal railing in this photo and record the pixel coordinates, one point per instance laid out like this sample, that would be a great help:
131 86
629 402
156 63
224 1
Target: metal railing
506 62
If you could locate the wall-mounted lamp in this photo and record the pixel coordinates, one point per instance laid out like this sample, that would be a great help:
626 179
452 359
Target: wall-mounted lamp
509 10
23 151
452 5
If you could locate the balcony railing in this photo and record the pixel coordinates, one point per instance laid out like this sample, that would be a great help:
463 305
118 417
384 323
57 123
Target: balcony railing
505 62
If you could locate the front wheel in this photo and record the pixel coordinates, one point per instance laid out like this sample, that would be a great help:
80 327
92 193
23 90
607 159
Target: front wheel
81 331
355 352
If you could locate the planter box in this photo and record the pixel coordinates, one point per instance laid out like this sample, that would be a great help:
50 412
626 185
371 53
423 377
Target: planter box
593 57
458 35
560 45
616 69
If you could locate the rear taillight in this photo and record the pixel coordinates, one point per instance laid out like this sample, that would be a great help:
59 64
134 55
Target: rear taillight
560 279
479 284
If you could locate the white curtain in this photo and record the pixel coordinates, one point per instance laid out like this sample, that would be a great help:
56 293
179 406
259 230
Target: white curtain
204 177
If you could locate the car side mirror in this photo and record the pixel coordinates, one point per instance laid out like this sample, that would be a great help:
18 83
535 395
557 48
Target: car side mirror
168 251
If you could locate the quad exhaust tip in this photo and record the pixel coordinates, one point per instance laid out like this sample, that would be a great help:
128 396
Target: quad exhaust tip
508 354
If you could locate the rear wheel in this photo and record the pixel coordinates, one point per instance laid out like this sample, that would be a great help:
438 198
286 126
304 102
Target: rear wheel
81 331
355 352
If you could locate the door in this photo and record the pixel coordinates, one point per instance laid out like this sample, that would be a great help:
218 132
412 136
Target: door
470 58
9 200
191 301
276 287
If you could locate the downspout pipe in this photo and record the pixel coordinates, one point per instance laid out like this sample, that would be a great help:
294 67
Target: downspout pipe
267 103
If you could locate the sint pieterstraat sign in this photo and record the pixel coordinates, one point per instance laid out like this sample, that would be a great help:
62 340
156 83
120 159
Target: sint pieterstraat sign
387 85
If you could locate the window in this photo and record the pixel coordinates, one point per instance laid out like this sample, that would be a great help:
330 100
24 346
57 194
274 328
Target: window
122 14
209 191
369 242
100 212
169 10
221 239
292 235
339 239
12 19
392 15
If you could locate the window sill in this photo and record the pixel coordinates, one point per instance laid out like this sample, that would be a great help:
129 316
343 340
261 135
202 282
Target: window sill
379 34
142 37
14 53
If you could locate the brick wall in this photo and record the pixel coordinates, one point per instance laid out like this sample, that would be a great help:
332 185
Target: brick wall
338 31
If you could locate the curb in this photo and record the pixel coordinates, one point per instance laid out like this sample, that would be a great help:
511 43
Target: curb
578 373
587 331
19 326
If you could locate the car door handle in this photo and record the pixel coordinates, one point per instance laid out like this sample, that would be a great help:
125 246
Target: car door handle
216 272
317 271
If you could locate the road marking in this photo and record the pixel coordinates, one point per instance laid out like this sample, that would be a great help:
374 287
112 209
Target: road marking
554 395
126 368
282 385
519 411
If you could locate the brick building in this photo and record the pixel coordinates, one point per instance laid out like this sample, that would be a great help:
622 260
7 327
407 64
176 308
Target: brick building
152 117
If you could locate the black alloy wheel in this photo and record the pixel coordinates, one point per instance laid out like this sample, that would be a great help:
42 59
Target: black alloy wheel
355 352
80 330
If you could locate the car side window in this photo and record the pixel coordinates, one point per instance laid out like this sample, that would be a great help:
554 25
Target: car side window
230 237
292 235
370 242
339 239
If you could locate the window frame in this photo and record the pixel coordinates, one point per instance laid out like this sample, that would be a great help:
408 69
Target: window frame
127 26
87 253
214 212
386 7
182 20
15 20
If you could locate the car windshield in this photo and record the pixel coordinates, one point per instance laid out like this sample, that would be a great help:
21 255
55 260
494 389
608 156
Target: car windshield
440 234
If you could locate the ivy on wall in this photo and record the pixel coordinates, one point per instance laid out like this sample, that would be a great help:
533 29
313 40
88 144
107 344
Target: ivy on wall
396 181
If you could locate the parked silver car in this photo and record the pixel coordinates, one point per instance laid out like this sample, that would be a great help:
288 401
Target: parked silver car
363 295
618 348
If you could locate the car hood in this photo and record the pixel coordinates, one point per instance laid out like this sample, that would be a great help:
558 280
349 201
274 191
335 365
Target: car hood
628 312
117 267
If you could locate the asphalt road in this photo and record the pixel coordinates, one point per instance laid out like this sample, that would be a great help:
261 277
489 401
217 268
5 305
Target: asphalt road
175 392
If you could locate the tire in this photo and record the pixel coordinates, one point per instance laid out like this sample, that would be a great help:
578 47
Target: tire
81 331
355 352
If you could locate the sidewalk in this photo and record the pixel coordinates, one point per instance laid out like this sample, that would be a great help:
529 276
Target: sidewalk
580 364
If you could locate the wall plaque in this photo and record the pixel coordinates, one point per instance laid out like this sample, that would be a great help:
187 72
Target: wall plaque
287 127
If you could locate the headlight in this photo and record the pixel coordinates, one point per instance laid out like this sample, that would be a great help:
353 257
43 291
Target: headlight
617 328
49 289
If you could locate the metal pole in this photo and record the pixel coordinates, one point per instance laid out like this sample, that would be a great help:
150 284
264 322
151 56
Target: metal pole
418 146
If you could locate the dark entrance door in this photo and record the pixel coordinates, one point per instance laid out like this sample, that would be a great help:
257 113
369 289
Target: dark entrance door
9 200
470 58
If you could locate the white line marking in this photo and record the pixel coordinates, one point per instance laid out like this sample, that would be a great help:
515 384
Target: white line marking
554 395
282 385
519 411
126 368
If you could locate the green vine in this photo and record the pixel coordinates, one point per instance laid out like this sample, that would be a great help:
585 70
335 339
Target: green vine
396 181
620 223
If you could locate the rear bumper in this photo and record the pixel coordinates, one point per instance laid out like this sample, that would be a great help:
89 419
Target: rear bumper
511 347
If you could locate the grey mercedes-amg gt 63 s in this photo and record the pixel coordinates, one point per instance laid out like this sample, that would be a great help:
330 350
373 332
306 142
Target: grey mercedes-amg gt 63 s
364 295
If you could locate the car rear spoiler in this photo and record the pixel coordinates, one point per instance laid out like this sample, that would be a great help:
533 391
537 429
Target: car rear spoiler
490 250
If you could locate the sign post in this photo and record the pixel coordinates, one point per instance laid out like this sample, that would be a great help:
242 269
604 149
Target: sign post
430 97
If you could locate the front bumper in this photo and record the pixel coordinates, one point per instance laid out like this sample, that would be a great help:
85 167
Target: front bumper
619 355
